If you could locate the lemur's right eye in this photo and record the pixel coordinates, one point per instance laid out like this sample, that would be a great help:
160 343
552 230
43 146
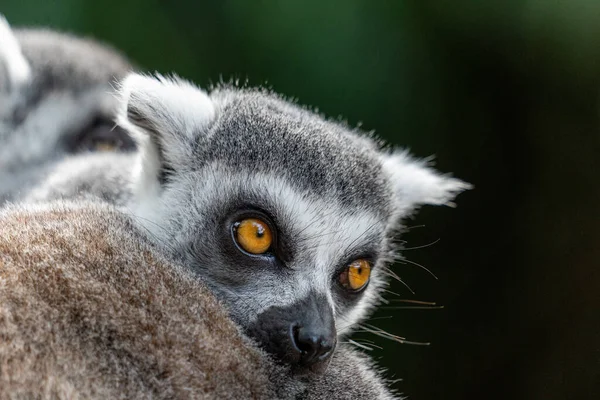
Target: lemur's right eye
253 235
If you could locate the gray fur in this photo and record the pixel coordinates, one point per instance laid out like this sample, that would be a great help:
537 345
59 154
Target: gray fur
94 176
68 85
89 309
256 130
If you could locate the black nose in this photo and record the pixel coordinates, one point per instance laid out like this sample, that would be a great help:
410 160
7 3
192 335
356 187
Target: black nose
314 345
301 335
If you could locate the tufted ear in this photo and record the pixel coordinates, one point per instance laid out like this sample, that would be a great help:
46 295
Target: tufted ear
164 115
415 183
14 68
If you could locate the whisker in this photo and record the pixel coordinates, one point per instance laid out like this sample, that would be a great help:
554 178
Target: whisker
352 342
390 292
380 332
421 247
408 228
404 260
380 318
411 308
363 346
390 273
427 303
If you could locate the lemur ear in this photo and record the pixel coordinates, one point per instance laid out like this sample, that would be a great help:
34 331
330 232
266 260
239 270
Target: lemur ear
415 183
14 68
164 115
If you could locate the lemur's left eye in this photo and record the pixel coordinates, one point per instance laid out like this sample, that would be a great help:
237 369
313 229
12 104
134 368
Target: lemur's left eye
253 235
356 275
105 137
102 135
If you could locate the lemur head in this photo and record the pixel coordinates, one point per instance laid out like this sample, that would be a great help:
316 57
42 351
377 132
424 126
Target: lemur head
55 100
289 218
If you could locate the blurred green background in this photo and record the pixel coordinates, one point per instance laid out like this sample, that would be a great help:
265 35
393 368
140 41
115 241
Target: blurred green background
505 93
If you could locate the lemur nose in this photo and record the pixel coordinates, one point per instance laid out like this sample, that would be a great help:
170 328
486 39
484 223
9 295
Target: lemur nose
314 345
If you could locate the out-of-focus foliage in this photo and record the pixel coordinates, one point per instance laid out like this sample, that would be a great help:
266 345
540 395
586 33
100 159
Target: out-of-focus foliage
504 92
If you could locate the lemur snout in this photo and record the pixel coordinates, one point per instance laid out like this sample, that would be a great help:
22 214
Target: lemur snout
301 335
314 344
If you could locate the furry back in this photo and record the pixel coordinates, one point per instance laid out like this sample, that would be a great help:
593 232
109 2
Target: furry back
88 309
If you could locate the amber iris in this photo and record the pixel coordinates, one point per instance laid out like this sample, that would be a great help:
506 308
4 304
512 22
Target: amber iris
105 146
356 275
253 235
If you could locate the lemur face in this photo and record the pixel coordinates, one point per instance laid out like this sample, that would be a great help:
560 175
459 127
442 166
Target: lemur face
55 100
286 216
296 269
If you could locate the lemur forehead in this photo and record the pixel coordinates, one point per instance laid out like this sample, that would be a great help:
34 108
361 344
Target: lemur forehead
257 131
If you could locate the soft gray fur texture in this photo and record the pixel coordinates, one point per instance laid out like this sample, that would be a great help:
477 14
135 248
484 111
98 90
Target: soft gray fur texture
333 193
53 87
89 309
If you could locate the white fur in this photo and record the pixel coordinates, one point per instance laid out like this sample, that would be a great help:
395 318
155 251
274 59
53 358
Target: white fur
185 104
145 182
177 108
47 122
17 67
416 184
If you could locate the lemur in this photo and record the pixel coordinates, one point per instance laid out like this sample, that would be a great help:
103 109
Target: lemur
45 350
286 216
55 100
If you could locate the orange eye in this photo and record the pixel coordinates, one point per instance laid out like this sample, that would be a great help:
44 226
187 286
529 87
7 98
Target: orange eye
253 235
356 275
101 146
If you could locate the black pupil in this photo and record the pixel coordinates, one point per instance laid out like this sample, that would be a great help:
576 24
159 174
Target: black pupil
260 231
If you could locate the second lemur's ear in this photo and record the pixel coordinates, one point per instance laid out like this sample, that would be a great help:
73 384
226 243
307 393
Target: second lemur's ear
15 71
415 183
165 116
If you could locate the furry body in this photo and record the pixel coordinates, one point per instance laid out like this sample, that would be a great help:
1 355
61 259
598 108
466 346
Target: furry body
90 309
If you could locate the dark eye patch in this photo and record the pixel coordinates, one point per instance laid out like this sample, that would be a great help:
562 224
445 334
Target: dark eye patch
101 135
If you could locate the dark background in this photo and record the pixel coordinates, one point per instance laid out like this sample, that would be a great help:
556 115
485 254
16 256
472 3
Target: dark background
505 93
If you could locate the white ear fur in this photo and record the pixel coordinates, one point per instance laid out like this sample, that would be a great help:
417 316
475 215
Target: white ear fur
173 107
416 184
16 66
164 115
